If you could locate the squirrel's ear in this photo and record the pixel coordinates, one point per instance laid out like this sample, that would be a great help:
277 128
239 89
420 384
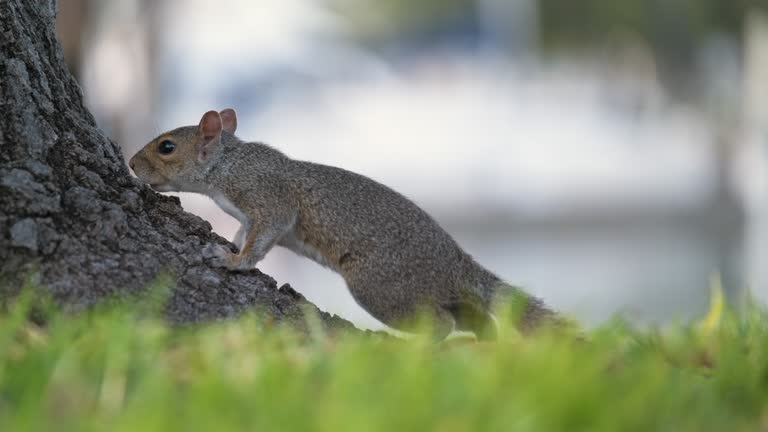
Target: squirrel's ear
210 131
229 120
210 125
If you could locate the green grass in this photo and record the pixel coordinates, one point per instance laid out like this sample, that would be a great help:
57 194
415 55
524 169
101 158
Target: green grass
121 369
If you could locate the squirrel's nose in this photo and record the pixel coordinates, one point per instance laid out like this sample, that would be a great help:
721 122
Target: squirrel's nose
132 164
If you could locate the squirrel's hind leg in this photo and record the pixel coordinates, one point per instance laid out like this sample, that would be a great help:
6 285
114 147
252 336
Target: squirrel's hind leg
402 313
443 324
474 318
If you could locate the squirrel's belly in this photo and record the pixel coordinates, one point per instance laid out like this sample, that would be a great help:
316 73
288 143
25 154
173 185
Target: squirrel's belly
229 207
299 247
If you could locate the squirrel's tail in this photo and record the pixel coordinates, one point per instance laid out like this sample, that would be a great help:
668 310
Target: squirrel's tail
526 310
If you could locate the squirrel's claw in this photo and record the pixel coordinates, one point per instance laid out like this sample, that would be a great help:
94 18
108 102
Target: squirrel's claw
218 256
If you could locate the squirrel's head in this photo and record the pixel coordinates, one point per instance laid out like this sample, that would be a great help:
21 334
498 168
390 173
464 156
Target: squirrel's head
174 160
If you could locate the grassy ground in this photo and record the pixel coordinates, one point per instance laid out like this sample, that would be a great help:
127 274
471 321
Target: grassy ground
120 369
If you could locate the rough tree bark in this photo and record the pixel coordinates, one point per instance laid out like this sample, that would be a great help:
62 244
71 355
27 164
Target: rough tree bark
71 214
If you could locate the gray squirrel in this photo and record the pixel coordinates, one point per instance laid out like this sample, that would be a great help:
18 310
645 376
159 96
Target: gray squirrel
396 260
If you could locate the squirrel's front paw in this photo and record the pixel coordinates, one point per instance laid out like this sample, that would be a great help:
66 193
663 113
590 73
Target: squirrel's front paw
218 256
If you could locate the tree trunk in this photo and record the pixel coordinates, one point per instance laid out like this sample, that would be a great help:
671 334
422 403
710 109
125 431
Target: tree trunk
73 218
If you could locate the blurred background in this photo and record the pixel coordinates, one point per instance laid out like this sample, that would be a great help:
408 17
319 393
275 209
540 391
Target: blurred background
608 155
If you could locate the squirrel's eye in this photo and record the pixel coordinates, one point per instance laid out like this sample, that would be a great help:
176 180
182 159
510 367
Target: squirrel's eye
166 147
